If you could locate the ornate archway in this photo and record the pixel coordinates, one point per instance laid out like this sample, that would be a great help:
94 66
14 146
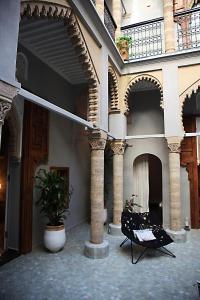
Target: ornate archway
193 88
43 9
143 77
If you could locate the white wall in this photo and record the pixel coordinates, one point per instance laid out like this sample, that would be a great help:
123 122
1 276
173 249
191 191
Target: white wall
139 11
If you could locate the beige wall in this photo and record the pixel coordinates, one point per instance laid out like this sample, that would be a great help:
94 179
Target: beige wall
188 76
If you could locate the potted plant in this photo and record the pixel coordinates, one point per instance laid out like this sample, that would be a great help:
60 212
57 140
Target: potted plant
131 204
53 200
123 43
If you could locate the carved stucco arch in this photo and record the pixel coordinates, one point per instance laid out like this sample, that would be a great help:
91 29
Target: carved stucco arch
113 88
14 121
143 77
193 88
43 9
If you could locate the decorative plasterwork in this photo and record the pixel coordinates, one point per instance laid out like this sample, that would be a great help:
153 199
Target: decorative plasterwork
174 144
7 91
118 147
15 133
5 106
113 89
144 77
97 140
43 9
193 88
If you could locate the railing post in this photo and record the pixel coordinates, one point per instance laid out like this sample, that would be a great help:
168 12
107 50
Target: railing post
169 26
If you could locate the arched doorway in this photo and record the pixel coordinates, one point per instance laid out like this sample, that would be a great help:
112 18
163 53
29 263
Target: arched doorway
147 179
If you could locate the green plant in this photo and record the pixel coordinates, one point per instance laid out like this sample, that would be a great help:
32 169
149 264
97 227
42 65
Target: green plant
121 39
130 204
54 197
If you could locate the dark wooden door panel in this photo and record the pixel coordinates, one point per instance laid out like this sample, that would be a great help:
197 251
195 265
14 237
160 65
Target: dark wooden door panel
189 160
35 152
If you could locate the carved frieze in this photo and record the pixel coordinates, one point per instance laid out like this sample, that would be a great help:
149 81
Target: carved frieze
118 147
174 147
174 144
97 144
7 91
97 140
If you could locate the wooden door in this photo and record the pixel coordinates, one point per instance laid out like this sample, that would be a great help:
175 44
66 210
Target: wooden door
34 152
189 160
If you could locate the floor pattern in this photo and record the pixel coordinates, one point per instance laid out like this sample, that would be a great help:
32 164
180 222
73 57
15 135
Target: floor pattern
70 275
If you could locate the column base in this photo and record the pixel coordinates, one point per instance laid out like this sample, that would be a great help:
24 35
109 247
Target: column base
177 236
96 250
115 230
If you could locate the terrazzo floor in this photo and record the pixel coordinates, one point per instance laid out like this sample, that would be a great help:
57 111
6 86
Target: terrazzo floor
70 275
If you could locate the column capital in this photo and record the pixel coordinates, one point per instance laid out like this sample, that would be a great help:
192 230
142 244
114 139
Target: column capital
7 91
118 147
97 140
174 144
5 106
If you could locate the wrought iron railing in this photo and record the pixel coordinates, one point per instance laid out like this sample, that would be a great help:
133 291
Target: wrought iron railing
109 21
147 38
188 29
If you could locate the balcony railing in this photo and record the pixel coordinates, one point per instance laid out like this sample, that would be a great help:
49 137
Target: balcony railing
188 29
147 38
109 21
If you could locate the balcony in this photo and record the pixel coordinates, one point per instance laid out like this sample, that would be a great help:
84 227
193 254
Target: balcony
148 37
188 29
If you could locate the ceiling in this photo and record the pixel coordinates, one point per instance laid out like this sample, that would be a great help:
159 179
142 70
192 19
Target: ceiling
48 40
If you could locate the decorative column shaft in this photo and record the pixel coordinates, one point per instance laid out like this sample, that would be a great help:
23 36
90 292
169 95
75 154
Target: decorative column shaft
169 26
117 15
100 8
97 143
174 170
118 151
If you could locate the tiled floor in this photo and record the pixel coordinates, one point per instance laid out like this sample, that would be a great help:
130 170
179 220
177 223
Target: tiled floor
71 275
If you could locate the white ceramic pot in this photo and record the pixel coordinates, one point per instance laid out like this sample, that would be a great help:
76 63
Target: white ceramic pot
54 237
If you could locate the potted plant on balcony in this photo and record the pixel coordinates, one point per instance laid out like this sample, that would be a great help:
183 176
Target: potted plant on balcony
54 199
123 43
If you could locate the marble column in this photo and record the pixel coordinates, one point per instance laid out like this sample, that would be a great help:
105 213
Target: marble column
97 247
178 234
117 15
169 31
117 147
7 93
100 9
